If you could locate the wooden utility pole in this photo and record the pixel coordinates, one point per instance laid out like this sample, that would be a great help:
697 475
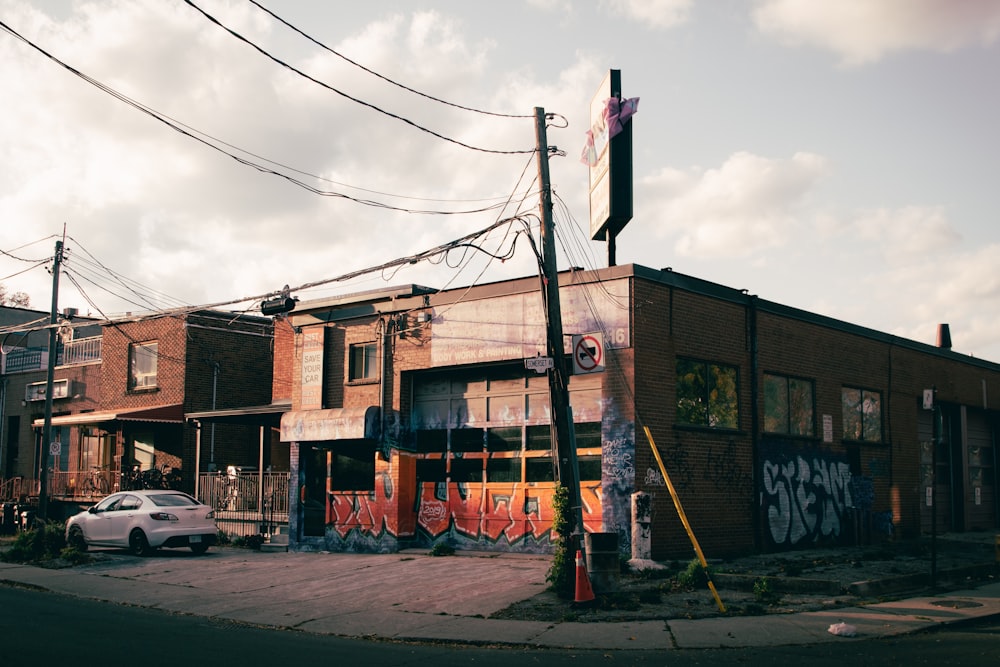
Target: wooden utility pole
43 468
561 416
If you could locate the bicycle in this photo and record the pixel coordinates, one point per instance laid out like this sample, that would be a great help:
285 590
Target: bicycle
95 483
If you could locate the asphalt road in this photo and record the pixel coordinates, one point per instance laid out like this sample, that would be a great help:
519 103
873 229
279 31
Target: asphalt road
42 628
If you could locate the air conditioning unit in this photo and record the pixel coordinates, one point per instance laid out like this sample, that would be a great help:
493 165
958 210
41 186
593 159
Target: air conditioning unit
36 390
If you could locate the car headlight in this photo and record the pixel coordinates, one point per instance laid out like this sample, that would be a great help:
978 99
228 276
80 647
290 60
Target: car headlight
210 515
162 516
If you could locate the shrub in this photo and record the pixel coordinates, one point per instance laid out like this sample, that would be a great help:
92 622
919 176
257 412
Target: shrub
248 542
45 542
694 575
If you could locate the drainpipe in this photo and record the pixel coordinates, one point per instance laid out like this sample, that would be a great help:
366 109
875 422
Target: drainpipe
215 384
3 428
752 341
386 347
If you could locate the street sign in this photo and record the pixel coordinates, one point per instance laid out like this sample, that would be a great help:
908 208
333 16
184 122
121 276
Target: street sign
538 364
588 353
55 448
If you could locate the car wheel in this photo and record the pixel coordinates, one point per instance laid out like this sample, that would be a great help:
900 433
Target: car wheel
138 544
76 539
199 549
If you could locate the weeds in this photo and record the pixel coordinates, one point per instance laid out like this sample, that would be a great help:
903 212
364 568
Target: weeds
43 544
442 549
694 575
562 572
764 593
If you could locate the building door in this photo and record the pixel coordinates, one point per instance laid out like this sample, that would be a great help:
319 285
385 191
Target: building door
935 478
980 496
314 490
484 467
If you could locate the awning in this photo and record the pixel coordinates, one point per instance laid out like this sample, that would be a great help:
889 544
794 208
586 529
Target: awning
332 424
167 414
254 415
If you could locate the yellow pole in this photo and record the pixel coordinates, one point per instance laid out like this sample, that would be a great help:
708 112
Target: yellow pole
683 516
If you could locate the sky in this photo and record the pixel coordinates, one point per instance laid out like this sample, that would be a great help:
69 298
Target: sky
838 157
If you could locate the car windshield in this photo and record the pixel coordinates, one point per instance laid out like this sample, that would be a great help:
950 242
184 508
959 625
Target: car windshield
173 500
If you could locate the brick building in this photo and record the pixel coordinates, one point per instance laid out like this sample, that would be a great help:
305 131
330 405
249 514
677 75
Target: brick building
414 419
127 389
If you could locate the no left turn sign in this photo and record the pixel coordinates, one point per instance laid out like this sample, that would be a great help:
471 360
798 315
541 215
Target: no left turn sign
588 353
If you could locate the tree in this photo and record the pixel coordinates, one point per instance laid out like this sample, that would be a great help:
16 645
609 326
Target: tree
16 299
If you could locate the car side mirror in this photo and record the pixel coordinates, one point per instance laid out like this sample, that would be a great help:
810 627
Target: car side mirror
93 510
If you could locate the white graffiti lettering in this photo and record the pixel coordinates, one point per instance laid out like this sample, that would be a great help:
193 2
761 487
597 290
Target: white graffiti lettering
654 478
805 499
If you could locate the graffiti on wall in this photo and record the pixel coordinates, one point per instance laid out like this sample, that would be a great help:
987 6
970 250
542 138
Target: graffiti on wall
618 475
488 516
471 516
805 496
496 516
724 469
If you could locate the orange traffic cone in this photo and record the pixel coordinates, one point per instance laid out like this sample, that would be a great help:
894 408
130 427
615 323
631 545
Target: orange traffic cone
584 593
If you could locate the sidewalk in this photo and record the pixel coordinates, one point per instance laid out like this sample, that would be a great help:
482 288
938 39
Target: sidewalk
413 596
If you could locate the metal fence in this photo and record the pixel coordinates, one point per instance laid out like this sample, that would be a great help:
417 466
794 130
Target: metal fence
16 488
91 484
70 353
81 351
246 503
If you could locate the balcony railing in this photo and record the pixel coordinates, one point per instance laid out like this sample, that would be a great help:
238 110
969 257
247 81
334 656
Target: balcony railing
24 359
82 351
84 485
15 488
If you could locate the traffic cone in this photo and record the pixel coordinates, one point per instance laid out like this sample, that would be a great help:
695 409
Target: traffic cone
584 593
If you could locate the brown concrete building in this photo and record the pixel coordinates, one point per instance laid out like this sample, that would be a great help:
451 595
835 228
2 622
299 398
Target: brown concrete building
121 393
414 419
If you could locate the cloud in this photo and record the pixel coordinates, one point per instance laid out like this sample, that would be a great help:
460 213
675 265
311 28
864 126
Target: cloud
865 31
959 288
167 211
906 233
661 14
746 205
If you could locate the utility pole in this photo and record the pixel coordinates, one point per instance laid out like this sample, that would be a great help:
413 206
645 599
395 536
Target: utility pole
43 494
561 416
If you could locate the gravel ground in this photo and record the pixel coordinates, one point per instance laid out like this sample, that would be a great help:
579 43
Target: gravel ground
779 583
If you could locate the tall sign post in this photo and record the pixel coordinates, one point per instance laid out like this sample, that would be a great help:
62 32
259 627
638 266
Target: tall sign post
561 419
609 155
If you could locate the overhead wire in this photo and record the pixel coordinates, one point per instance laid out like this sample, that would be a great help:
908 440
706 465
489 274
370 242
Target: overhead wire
25 270
518 216
132 286
381 76
345 95
259 298
217 145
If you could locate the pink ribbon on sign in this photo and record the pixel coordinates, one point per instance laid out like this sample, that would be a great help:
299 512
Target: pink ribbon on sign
617 112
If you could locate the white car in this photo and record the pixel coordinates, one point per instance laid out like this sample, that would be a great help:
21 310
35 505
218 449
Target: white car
143 521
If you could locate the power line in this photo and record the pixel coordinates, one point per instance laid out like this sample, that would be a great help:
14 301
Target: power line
426 255
369 105
10 253
204 138
127 283
34 266
380 76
